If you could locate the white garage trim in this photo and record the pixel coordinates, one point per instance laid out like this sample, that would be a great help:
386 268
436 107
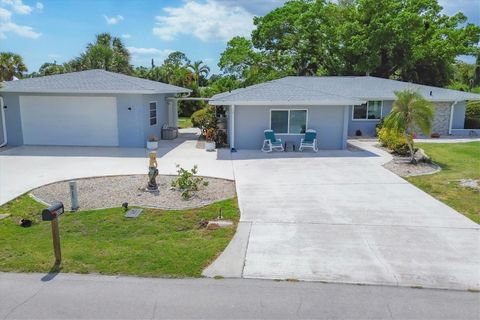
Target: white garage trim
74 121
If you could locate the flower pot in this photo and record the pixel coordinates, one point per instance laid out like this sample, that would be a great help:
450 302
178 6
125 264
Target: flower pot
210 145
152 145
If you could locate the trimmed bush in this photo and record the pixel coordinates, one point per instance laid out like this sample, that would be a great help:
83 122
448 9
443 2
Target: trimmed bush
204 119
472 115
392 140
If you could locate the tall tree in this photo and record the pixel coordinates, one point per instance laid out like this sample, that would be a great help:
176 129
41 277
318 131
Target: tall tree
48 68
409 112
241 60
108 53
11 65
476 76
200 71
410 40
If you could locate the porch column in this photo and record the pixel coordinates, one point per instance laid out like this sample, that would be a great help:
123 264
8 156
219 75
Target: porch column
452 110
175 113
346 114
232 126
172 109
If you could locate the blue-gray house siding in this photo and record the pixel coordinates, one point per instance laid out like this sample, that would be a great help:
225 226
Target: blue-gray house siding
366 127
329 121
132 116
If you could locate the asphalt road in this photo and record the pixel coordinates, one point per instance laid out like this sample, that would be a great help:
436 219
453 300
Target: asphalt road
67 296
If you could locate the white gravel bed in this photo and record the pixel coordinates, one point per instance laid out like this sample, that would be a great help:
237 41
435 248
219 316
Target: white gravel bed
401 166
108 192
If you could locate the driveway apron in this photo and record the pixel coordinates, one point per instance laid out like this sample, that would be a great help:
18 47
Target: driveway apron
345 218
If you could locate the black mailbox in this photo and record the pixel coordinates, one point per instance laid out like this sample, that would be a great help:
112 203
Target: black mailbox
52 212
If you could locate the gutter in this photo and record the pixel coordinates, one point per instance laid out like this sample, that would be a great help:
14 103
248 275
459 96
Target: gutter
4 124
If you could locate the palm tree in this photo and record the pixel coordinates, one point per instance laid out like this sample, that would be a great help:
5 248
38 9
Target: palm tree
108 53
11 65
410 112
199 69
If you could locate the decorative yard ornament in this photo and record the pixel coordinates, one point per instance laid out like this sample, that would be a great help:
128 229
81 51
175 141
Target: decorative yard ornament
152 172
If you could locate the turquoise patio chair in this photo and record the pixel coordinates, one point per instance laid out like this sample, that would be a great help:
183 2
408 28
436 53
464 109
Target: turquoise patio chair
309 141
271 142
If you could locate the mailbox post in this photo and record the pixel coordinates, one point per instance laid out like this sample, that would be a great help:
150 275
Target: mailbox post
51 214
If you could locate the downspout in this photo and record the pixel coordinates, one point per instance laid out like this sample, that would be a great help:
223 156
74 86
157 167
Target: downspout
4 124
451 118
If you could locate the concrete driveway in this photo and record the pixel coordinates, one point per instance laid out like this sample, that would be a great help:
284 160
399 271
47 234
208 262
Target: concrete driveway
341 217
25 168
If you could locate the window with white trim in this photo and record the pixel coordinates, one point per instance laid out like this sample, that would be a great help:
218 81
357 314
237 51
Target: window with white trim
153 113
368 111
288 121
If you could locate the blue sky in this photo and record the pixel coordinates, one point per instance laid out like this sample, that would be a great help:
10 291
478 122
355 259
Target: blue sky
48 30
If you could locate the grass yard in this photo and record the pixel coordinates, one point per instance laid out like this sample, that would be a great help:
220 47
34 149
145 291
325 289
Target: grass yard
158 243
184 122
458 161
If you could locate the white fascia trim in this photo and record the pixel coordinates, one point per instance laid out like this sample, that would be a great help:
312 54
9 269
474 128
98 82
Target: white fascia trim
286 103
97 91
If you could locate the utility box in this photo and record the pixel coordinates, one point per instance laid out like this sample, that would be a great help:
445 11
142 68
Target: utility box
169 133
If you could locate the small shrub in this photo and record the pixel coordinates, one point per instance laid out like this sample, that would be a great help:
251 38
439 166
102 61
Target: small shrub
204 119
472 115
379 124
392 140
210 134
152 138
221 139
187 182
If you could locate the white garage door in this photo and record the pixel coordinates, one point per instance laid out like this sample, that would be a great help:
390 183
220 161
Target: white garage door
74 121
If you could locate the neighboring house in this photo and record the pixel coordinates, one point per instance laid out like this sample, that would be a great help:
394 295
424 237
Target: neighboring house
336 106
86 108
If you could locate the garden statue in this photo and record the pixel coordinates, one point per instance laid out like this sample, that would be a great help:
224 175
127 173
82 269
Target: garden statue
152 172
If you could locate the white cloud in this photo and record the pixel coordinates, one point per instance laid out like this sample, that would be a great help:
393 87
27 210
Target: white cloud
7 25
5 15
149 51
126 36
18 6
143 56
39 6
207 21
256 7
23 31
113 20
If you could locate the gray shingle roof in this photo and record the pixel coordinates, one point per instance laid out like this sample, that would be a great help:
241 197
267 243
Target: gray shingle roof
90 81
324 90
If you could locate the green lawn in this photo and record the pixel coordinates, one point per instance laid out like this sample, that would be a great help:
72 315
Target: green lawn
158 243
184 122
458 161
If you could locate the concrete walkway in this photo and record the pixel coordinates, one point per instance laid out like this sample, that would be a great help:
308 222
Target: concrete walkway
25 168
36 296
341 217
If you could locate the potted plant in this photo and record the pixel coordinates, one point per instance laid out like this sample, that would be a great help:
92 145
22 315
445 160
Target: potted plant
152 142
210 139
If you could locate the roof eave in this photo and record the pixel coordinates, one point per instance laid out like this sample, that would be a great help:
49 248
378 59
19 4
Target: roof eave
4 90
286 103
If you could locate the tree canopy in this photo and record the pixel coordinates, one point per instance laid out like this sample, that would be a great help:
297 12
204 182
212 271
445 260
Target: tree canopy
408 40
11 65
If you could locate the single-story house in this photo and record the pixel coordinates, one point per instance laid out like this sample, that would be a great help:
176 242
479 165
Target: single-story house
335 106
86 108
